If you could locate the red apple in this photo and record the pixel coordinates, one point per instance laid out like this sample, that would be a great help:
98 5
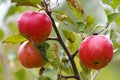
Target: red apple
29 56
96 51
35 26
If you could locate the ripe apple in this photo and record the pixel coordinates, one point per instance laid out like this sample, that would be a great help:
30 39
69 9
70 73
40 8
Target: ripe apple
96 51
29 56
35 26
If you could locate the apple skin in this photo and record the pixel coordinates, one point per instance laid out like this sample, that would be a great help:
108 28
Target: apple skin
29 56
96 51
34 26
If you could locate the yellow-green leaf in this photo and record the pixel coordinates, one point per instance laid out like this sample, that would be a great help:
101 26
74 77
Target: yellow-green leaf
14 39
76 8
32 3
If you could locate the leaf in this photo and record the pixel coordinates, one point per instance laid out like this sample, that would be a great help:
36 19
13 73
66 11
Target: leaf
85 72
20 74
32 3
43 78
53 55
106 1
89 21
69 35
115 3
42 47
113 16
1 34
118 21
76 8
51 73
81 26
66 18
12 10
73 40
14 39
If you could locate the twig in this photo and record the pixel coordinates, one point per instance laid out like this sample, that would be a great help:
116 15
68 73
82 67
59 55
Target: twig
103 29
52 38
66 77
95 74
75 53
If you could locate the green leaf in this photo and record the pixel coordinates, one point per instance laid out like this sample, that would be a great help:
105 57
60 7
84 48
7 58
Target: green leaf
89 21
73 40
69 35
14 39
32 3
51 73
81 26
53 55
118 21
115 3
76 8
12 10
66 18
42 47
20 74
106 1
43 78
85 73
113 16
1 34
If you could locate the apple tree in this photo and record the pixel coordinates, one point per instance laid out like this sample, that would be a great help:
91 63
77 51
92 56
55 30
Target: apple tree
62 40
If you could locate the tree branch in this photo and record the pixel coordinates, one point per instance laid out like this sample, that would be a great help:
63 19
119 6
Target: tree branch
62 42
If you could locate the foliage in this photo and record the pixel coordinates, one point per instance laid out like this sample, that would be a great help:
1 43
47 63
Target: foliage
72 31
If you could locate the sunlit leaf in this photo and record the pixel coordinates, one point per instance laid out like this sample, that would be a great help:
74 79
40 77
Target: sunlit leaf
118 21
113 16
26 2
1 34
76 8
115 3
106 1
89 21
14 39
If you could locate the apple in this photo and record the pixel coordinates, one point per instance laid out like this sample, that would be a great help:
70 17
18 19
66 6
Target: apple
96 51
29 56
35 26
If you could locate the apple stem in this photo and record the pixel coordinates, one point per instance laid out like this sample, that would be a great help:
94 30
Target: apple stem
107 25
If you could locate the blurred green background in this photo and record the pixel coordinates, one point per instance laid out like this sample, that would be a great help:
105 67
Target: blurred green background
10 67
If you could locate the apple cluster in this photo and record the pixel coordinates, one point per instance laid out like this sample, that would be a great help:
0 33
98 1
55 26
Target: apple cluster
35 27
